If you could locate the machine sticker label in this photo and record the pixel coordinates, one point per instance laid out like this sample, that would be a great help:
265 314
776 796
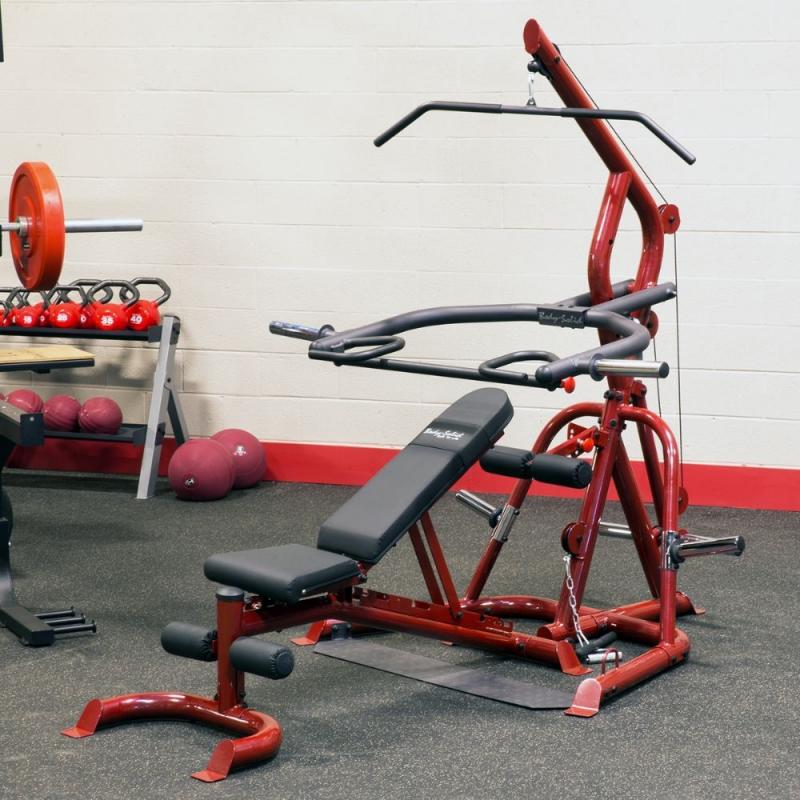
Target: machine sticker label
563 317
453 436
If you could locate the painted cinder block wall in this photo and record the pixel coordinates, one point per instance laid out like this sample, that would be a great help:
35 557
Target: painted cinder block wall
241 132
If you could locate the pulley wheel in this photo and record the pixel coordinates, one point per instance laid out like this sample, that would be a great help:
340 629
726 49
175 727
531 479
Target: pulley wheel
36 199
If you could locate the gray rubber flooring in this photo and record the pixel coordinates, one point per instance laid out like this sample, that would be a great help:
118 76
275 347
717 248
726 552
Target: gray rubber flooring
722 725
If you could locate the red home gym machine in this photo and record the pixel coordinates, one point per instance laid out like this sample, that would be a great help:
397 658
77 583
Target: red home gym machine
289 585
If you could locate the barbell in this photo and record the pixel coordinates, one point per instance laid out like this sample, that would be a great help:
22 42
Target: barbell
38 229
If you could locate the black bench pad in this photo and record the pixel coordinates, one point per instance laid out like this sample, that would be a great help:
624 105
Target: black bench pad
375 518
285 573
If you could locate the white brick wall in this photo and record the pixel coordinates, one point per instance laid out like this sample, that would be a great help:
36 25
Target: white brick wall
242 132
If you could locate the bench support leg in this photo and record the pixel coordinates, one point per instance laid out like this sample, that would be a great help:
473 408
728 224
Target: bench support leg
260 735
262 740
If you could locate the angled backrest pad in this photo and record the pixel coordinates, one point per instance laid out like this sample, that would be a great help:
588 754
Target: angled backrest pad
379 513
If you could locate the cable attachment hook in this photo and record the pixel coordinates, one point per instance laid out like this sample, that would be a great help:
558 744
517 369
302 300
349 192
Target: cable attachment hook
535 67
531 74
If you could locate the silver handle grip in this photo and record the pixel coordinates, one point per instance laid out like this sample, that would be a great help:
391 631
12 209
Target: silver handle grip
612 657
626 367
615 530
476 503
725 545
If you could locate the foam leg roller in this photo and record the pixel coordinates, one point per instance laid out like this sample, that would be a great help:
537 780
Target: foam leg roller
262 658
189 641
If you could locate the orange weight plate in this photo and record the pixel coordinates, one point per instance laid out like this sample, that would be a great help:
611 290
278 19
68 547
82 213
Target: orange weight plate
35 197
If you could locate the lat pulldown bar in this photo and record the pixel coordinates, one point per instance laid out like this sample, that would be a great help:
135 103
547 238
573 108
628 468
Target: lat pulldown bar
538 111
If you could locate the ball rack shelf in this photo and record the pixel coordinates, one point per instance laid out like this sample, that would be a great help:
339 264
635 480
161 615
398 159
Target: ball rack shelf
164 401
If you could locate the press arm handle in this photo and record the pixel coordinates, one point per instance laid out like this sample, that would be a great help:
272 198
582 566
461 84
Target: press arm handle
294 330
379 346
626 367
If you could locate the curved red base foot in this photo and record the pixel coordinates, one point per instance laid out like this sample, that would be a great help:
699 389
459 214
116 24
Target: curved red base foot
261 740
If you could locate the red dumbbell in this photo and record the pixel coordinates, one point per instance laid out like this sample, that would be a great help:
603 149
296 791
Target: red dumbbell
65 313
145 313
113 316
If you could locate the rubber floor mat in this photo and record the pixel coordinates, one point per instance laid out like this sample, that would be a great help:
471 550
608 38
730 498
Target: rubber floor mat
450 676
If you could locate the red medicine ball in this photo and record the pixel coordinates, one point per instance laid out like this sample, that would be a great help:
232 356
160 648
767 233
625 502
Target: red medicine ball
201 469
248 456
100 415
61 413
26 400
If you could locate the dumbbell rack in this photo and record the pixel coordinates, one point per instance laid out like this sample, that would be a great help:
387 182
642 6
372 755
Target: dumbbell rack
164 401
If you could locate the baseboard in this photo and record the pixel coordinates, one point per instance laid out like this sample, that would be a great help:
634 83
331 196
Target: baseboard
766 488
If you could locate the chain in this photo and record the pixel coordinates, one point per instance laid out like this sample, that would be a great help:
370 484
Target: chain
573 603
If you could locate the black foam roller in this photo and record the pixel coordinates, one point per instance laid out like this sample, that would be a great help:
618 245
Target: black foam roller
263 658
561 470
509 461
516 463
189 641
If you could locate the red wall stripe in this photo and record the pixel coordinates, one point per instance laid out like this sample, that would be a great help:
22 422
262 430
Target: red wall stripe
708 484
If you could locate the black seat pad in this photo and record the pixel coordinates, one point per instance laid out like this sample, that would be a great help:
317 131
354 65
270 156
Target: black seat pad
286 573
375 518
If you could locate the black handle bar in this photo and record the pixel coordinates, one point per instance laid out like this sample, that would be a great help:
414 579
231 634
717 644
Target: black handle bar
382 338
491 368
380 346
538 111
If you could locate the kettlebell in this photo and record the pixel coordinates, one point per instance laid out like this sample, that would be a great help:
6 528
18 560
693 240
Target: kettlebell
63 312
14 302
113 316
145 313
6 308
86 318
33 316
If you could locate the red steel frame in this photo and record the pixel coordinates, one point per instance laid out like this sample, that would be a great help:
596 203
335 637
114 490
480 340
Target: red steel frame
476 620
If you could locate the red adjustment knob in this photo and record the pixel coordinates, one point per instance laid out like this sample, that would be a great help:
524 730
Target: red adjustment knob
568 385
587 445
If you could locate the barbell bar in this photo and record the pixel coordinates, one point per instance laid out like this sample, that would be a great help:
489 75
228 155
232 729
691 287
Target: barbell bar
21 226
38 229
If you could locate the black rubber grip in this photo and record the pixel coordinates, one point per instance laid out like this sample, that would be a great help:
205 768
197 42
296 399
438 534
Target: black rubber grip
583 650
258 657
189 641
514 462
